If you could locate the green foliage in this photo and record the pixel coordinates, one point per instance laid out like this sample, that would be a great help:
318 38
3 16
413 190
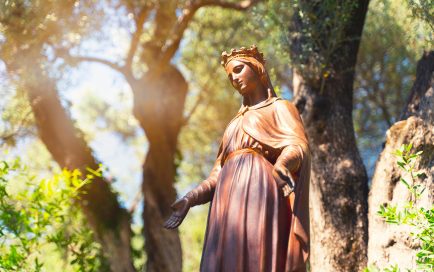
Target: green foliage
38 218
321 26
137 245
423 10
406 161
16 120
31 31
420 219
392 268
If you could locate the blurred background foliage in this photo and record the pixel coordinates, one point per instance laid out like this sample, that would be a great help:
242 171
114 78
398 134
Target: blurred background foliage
99 101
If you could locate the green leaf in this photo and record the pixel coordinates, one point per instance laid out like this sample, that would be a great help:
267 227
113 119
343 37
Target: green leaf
405 182
401 164
96 173
408 147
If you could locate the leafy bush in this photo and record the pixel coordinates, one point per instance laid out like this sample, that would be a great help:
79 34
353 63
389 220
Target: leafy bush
420 219
39 221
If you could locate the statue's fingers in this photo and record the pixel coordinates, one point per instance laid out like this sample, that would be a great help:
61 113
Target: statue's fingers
170 225
167 223
174 220
175 223
286 190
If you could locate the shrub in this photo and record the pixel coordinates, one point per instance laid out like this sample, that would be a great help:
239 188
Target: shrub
41 227
419 218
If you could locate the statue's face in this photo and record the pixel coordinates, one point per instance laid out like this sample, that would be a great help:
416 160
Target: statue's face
242 77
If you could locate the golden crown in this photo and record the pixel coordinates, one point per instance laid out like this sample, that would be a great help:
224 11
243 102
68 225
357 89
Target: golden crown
242 52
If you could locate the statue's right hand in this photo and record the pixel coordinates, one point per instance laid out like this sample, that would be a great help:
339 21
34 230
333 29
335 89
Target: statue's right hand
180 209
282 176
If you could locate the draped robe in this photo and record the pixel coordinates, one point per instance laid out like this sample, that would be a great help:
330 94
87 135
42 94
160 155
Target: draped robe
266 128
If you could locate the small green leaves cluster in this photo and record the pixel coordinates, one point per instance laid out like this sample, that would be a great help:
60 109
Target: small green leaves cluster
420 219
38 218
392 268
423 10
406 161
322 27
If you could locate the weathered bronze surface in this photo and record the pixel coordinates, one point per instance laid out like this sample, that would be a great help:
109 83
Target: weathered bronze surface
259 186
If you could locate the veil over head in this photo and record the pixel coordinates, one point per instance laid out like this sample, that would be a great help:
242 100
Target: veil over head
255 60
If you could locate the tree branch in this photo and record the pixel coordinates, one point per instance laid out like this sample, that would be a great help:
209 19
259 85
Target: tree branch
64 53
110 64
138 197
188 14
196 105
139 21
17 131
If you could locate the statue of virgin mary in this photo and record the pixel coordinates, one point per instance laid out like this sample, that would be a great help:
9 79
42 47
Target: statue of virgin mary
259 186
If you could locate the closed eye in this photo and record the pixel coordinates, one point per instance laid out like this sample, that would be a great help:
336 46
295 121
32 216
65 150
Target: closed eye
237 69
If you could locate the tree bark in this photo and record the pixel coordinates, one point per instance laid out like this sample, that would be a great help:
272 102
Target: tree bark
110 222
339 182
159 107
391 244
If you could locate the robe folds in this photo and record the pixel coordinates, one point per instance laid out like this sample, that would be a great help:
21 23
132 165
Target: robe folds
251 226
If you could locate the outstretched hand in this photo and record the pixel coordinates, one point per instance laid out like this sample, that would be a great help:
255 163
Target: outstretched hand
282 175
180 209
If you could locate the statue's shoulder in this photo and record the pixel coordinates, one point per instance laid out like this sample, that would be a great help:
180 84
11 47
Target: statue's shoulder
283 105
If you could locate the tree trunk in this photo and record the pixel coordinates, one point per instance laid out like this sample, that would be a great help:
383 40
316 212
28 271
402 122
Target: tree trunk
159 107
391 244
339 182
110 222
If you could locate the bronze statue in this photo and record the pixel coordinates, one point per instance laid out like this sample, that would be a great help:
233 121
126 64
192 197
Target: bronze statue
259 187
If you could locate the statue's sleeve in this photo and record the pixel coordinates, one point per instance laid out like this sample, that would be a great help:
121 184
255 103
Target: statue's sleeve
296 154
204 192
291 158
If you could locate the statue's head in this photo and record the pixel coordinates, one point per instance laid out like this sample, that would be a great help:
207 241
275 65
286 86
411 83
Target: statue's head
245 68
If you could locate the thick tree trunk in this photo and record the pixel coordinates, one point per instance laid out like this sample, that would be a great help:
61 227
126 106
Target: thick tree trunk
391 244
339 182
159 107
110 222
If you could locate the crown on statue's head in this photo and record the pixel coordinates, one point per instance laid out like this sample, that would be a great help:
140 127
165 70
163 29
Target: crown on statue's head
242 52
